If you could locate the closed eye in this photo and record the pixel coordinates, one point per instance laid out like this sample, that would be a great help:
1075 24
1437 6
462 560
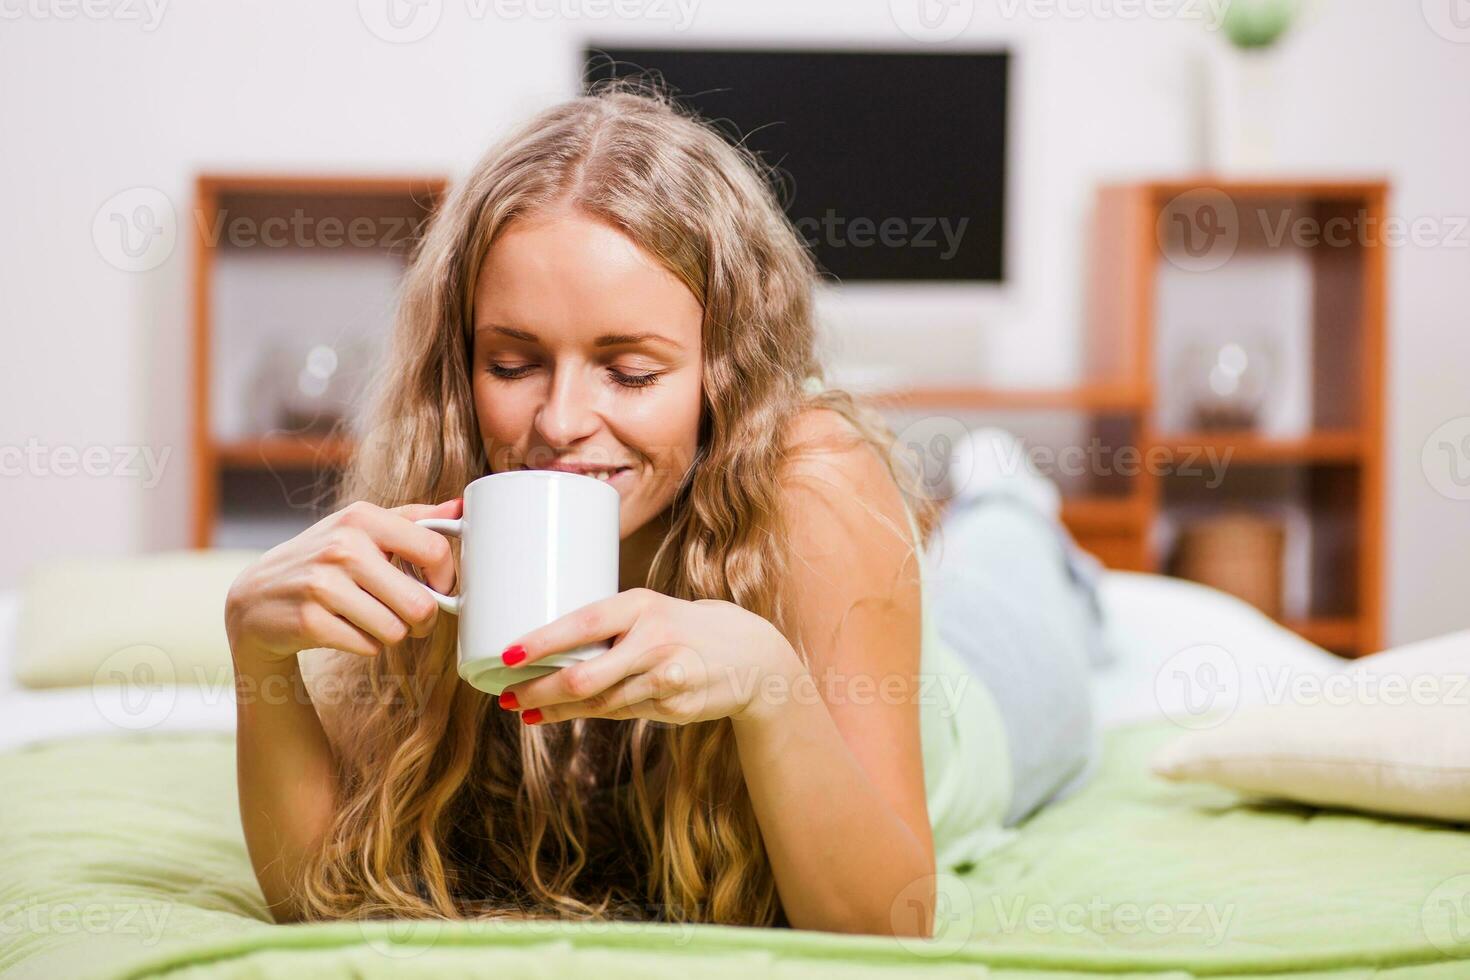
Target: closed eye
635 380
510 372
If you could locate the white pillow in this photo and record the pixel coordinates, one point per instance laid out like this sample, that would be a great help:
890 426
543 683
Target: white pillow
1390 735
1189 653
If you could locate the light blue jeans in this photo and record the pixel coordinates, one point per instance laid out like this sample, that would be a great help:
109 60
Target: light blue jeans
1016 599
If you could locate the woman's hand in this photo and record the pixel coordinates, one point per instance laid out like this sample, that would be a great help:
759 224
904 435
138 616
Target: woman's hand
673 661
333 584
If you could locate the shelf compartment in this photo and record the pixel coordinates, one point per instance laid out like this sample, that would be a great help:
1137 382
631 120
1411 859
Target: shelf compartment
1318 504
260 507
283 261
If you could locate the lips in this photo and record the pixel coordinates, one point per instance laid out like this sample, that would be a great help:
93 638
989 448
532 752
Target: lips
598 471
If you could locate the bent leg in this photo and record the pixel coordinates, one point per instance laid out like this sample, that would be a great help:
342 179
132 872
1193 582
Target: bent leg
1008 602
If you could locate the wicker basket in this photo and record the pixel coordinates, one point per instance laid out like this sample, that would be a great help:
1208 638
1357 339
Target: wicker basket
1236 553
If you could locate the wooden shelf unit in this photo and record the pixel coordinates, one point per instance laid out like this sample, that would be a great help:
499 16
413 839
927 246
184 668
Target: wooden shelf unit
1343 440
1346 435
267 204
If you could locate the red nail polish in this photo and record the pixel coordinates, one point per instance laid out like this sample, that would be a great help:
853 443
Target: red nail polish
532 716
508 700
513 655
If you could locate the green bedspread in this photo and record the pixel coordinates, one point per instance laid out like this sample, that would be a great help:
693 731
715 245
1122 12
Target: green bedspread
123 857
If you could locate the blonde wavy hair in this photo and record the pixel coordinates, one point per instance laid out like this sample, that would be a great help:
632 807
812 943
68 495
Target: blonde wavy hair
450 807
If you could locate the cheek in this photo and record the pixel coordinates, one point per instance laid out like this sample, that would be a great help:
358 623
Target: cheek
668 432
499 415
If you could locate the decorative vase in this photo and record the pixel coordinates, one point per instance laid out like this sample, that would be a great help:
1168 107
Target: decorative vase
1226 383
307 387
1244 107
1246 84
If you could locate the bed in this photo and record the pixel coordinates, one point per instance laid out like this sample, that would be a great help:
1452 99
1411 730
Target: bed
121 856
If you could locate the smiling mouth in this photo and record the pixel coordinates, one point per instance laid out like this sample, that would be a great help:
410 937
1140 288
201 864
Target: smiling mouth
603 474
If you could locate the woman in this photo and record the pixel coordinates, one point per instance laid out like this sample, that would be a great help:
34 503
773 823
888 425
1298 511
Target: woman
615 289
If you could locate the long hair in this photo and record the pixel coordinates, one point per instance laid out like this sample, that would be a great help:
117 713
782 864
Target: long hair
449 806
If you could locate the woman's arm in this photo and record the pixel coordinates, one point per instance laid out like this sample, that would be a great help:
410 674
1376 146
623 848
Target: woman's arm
331 586
838 783
285 771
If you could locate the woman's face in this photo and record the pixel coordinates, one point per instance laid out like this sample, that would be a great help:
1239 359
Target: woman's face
587 358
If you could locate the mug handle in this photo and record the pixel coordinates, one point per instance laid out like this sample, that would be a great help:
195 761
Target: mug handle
451 527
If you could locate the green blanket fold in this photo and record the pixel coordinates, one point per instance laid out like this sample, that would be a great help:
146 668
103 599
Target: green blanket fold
122 857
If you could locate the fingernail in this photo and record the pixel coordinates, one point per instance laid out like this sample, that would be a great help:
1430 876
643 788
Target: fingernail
508 700
532 716
513 655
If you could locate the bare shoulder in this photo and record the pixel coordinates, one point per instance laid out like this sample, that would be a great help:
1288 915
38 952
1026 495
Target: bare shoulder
851 555
830 468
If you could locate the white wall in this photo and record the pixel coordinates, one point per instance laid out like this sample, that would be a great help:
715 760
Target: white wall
96 357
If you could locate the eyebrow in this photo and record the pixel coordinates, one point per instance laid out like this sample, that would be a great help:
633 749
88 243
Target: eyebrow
606 340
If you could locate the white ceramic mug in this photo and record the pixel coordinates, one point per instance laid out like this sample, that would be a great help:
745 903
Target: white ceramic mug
537 544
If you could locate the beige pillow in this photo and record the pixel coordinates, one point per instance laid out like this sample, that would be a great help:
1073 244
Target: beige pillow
105 620
1390 734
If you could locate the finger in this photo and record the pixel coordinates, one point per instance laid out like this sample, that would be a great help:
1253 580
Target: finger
600 620
648 709
397 535
418 512
664 678
341 595
335 633
401 593
579 682
602 705
612 703
641 709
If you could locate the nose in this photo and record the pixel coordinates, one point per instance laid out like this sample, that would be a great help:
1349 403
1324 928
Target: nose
568 414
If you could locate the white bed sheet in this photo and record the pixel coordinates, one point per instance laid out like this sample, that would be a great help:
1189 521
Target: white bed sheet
28 716
9 619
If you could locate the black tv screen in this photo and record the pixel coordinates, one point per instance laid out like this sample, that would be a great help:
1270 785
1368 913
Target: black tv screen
894 163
